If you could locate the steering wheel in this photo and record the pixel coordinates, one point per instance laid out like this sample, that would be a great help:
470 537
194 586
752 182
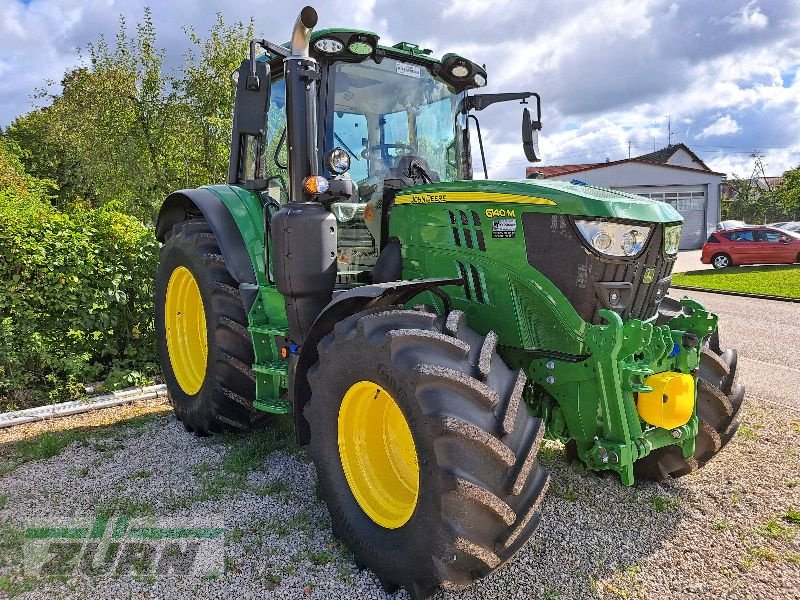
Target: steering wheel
367 152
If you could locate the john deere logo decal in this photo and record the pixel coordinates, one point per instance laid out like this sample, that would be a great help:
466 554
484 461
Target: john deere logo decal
649 274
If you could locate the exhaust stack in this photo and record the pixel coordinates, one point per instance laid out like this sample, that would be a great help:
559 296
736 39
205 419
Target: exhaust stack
303 231
306 21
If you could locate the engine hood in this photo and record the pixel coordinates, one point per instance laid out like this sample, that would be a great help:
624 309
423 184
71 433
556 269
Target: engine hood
558 196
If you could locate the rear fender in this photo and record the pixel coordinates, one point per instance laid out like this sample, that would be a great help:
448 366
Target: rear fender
186 204
342 306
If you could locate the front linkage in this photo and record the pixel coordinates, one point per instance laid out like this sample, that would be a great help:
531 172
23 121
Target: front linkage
634 392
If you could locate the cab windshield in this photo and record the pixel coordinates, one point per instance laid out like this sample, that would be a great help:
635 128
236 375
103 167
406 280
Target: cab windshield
395 120
383 111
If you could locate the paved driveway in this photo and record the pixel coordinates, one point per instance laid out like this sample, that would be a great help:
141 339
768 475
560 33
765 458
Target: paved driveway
767 335
689 260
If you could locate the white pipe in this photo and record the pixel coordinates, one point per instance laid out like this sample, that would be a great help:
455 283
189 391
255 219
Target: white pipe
74 407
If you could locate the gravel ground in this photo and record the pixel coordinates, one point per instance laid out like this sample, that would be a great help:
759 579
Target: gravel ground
724 532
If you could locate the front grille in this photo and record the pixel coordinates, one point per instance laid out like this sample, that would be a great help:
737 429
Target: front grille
557 250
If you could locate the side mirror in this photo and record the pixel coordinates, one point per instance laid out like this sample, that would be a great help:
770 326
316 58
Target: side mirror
783 239
530 137
251 108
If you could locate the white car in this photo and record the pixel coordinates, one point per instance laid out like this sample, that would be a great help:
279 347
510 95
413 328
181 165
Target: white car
730 225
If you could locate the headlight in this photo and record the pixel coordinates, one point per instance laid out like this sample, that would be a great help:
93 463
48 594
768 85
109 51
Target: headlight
459 71
614 239
672 239
360 48
337 160
329 45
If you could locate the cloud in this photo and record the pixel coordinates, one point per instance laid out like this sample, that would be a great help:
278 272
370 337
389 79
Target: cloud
747 19
608 72
722 126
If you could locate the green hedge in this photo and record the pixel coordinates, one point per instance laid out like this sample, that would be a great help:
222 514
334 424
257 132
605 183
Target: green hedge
75 301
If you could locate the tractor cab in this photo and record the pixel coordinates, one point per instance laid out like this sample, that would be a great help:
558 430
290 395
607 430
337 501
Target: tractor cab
387 118
399 127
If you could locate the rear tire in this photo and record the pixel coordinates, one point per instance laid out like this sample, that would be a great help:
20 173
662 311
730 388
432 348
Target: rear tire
213 393
478 485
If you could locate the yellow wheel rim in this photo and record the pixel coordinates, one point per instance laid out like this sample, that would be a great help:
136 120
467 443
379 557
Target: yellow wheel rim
185 320
378 455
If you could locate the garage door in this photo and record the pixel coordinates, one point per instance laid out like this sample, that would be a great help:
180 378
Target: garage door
691 203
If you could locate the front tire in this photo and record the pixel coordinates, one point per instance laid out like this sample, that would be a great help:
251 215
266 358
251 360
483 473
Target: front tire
721 261
204 346
424 448
719 399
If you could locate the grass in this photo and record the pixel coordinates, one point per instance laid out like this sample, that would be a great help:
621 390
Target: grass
763 553
773 529
747 433
14 586
775 280
275 488
125 507
721 525
570 495
243 454
662 503
48 444
321 558
793 516
51 443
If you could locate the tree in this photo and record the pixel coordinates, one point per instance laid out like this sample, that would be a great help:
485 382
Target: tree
123 131
754 200
207 95
15 183
788 193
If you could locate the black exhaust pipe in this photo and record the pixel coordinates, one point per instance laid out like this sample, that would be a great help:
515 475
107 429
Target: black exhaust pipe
303 231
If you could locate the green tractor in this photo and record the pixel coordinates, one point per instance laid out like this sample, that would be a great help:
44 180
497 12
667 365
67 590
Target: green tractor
426 330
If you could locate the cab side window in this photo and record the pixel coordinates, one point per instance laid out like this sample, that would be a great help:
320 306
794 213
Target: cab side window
275 155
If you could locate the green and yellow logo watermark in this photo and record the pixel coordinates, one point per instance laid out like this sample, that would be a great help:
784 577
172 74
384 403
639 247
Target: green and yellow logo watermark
124 546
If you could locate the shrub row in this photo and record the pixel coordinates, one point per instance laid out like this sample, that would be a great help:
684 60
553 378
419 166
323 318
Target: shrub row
75 301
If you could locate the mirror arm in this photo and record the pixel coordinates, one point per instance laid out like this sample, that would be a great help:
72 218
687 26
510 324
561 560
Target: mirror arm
253 82
481 101
274 48
537 124
480 143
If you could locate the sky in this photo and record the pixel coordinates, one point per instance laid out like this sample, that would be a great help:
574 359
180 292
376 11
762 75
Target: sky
613 75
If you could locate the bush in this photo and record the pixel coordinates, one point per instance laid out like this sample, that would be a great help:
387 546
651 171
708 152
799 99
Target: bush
76 300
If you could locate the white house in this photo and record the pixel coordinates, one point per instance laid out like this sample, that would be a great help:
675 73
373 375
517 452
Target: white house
673 174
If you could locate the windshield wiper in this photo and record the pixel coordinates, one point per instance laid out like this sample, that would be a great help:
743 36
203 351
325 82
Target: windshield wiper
417 171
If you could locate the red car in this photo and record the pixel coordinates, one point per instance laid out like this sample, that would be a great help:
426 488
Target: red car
751 245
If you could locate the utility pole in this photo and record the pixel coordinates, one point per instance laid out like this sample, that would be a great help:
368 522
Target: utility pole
669 130
629 148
